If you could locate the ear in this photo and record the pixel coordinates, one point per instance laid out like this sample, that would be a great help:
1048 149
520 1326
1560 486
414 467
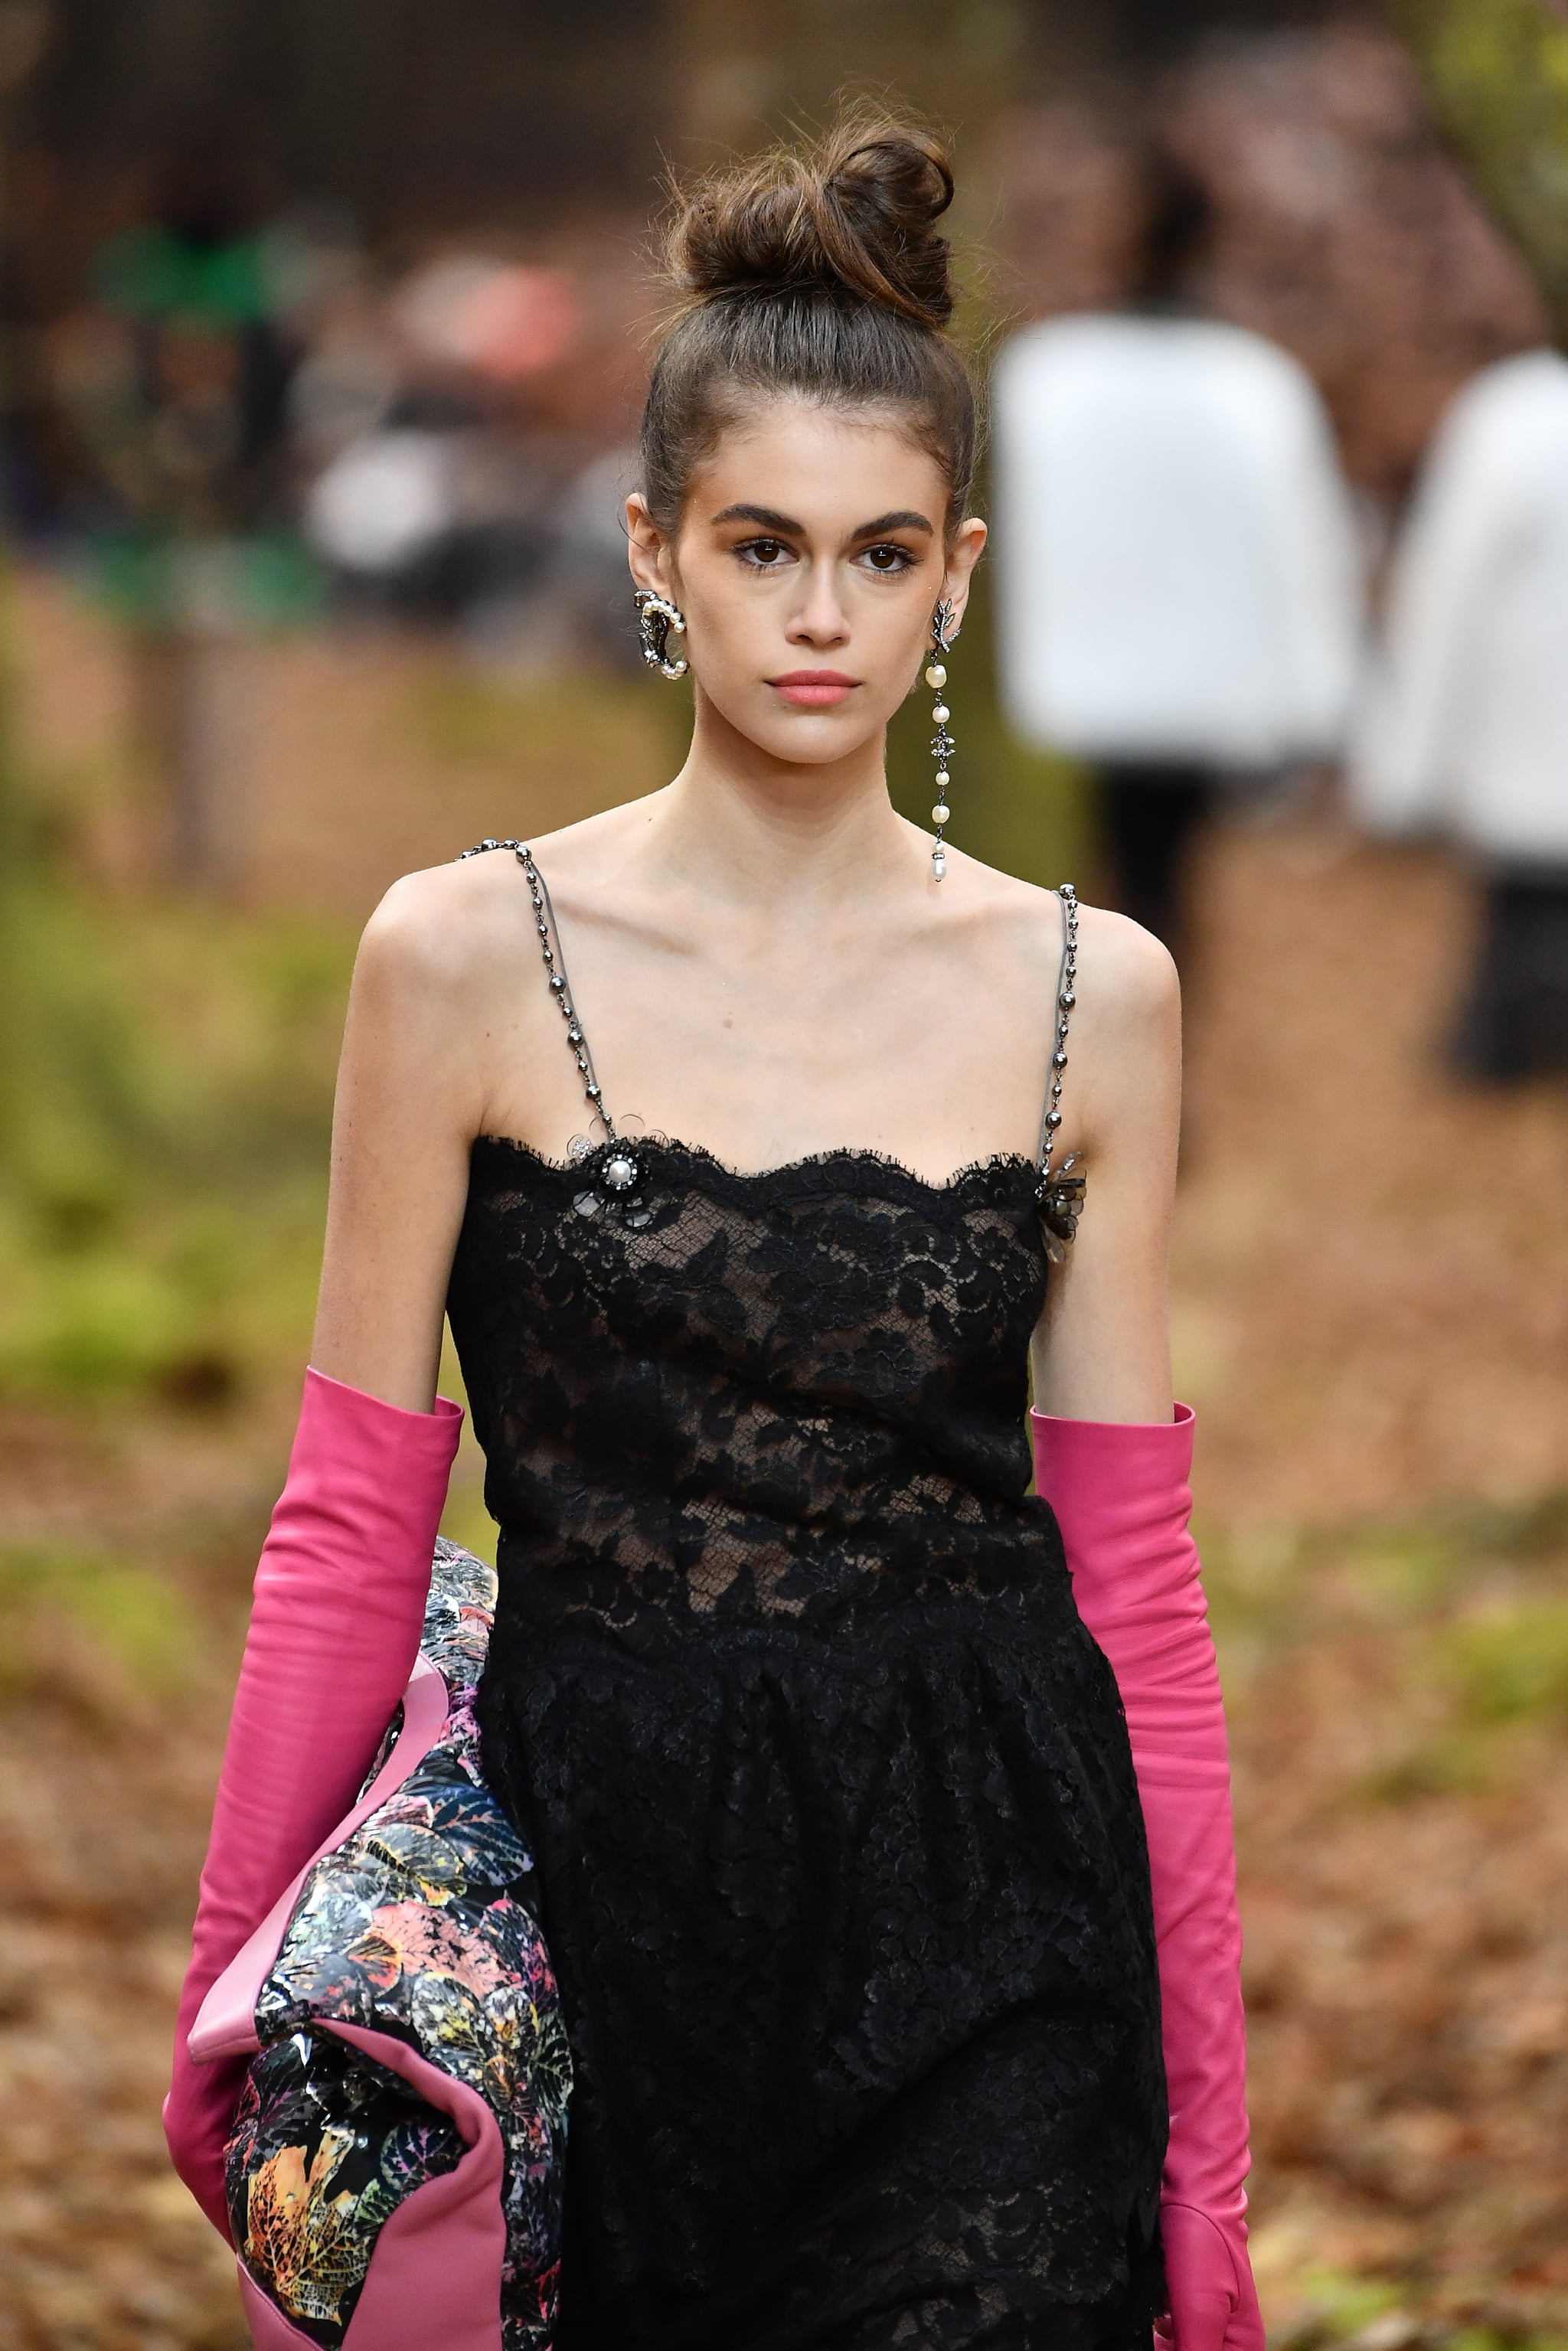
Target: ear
648 552
962 554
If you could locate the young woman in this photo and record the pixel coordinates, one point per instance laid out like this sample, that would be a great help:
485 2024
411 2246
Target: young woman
793 1694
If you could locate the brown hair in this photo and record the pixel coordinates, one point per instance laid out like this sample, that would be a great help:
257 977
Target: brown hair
820 273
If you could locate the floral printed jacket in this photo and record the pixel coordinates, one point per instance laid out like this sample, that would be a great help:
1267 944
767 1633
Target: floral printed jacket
408 2019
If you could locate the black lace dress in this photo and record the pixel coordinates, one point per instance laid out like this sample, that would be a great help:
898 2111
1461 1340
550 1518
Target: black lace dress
841 1857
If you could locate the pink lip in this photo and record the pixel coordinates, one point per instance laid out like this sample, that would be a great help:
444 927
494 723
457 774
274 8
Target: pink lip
814 689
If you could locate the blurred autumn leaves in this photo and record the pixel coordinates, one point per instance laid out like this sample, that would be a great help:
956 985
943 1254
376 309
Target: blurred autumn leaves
1497 74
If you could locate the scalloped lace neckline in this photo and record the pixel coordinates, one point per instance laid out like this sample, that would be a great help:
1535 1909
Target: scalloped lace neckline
859 1155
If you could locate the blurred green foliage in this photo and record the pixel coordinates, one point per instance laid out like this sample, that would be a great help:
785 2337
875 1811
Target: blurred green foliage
1508 1663
461 716
90 1634
1498 73
1366 2314
1457 1621
165 1088
1337 2306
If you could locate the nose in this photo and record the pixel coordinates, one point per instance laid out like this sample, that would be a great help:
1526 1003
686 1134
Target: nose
820 620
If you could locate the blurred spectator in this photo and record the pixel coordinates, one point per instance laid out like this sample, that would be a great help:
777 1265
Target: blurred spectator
1466 728
431 515
460 499
176 378
194 440
1179 574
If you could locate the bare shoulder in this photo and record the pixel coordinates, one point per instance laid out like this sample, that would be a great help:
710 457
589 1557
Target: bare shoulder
1125 1042
1124 973
464 934
1126 976
444 925
1018 916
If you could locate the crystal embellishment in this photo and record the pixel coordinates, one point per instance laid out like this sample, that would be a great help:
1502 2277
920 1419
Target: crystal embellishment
611 1192
1061 1200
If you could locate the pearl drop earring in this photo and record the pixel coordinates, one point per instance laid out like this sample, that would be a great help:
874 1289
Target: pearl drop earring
944 633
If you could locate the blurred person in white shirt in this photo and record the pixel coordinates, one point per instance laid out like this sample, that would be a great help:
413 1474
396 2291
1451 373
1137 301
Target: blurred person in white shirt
1465 728
1180 575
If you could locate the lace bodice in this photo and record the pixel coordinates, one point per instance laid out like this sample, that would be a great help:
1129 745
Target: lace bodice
776 1385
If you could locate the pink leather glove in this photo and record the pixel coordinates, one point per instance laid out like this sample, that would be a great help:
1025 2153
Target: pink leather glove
340 1603
1119 1492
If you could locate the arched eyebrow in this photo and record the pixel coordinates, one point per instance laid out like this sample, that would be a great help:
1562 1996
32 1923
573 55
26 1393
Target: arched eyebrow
765 519
768 518
904 518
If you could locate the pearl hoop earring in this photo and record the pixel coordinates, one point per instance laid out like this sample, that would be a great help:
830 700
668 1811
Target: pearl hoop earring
657 621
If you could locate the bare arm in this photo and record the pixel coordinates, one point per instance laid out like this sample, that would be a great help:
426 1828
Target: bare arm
1103 1350
409 1101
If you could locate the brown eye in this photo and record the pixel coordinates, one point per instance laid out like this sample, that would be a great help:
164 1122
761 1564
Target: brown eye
765 552
889 558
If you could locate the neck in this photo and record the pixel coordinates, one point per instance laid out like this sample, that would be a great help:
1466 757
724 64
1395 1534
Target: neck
741 825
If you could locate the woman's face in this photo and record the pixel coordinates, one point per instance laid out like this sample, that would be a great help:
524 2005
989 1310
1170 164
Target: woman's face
808 563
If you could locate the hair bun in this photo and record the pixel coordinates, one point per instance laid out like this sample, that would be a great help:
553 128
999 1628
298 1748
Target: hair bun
854 215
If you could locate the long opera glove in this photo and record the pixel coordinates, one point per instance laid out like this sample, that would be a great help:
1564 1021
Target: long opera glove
339 1602
1121 1496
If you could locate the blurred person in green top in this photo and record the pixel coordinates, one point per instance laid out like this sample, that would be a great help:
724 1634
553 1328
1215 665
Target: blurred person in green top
192 437
177 375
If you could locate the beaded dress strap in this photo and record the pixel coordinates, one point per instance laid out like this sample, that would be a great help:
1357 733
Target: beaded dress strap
554 956
1059 1193
1067 973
